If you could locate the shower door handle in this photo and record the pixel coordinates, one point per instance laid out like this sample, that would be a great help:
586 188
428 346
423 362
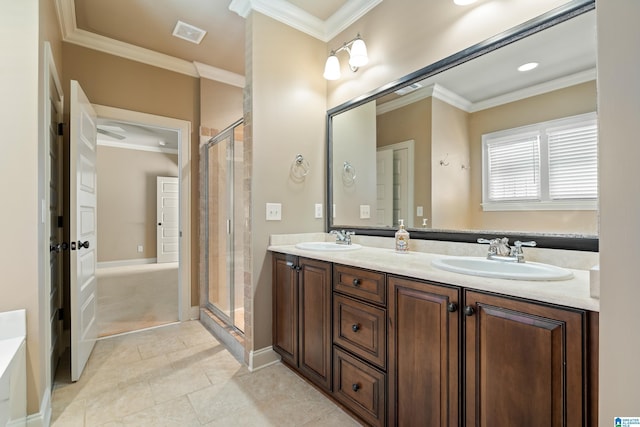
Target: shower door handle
228 226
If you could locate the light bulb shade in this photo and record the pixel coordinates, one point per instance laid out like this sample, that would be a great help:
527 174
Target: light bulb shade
332 68
358 54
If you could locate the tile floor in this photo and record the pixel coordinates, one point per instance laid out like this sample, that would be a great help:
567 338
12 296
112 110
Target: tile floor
180 375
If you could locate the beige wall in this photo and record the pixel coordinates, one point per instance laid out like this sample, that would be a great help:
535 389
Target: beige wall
574 100
450 182
403 36
220 105
354 141
285 114
618 113
24 27
127 201
121 83
412 122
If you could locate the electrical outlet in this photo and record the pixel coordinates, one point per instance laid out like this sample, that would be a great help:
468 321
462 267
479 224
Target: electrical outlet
140 248
419 211
274 211
318 213
365 211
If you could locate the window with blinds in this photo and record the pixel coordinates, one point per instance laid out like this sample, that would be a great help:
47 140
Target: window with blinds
551 165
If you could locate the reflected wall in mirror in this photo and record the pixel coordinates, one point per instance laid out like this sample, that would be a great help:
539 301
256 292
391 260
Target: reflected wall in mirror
417 150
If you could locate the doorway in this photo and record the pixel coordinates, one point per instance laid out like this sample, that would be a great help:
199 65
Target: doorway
225 226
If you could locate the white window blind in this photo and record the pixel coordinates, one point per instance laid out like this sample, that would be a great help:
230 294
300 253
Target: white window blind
546 166
514 168
573 162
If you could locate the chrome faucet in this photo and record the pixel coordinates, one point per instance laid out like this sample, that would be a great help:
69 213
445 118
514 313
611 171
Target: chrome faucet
500 250
343 237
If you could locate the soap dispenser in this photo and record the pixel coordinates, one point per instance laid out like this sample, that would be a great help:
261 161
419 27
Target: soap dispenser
402 239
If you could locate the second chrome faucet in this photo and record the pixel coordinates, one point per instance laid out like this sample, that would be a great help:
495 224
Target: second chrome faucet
500 250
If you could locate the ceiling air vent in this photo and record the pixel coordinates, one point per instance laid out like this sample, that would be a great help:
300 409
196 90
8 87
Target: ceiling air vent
408 89
189 32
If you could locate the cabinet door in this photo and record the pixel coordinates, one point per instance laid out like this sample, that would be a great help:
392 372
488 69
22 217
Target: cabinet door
285 307
424 366
524 363
315 321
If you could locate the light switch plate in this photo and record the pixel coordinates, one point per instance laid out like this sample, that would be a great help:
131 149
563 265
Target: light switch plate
365 211
318 212
274 211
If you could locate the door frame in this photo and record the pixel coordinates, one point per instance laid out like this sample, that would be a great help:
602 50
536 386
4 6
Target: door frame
185 310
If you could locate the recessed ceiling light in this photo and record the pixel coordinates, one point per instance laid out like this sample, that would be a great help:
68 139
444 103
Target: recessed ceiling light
188 32
528 66
464 2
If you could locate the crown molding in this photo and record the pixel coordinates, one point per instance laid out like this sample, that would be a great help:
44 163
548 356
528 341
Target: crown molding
561 83
436 91
65 10
301 20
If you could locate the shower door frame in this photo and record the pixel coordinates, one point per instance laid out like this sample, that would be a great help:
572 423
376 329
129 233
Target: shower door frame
228 319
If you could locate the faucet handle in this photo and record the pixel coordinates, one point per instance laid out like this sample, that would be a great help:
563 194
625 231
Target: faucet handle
519 244
485 241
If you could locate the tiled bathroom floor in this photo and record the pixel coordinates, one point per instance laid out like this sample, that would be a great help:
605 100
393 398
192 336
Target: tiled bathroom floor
180 375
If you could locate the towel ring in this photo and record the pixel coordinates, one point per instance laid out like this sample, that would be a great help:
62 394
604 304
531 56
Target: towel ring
299 168
348 173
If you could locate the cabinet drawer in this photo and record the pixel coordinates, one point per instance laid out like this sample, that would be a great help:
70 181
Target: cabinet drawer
360 328
359 387
364 284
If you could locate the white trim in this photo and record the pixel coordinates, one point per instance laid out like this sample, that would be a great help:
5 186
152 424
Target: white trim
262 358
127 262
130 146
43 417
295 17
561 83
575 205
218 74
409 145
435 90
184 156
65 10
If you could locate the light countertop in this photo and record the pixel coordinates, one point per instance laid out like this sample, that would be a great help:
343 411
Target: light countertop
574 292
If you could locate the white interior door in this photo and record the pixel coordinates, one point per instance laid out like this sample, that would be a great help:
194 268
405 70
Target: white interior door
168 232
384 187
83 222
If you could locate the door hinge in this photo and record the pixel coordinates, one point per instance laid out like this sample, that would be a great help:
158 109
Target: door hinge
60 221
61 313
60 129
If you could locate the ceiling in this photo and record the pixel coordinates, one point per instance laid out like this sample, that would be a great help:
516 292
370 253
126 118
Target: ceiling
141 30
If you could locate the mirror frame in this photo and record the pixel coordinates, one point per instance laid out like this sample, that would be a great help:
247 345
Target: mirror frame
544 240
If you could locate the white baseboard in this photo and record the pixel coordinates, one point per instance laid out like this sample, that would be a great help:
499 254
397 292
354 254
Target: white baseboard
127 262
42 418
262 358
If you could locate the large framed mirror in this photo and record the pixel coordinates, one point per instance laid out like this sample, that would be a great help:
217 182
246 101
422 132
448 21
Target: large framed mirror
419 149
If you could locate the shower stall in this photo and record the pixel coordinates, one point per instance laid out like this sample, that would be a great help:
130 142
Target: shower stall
225 226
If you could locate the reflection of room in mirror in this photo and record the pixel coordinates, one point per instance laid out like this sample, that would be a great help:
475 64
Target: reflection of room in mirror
446 115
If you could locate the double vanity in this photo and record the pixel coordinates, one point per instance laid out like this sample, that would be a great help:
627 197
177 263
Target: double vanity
432 338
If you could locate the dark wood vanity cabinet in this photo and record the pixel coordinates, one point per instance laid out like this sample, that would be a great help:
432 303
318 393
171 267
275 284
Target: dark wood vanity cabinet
525 363
405 352
424 353
302 316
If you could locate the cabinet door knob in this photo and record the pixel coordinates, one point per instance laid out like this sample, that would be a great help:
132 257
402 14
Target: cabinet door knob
468 310
452 307
355 327
355 387
356 282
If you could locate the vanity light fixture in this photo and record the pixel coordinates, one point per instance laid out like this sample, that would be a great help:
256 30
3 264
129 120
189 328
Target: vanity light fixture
357 58
528 66
464 2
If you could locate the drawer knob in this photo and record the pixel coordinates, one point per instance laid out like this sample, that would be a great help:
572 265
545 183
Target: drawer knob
452 307
468 310
355 387
355 327
356 282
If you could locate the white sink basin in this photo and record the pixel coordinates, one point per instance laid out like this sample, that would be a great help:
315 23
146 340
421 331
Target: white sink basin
484 267
327 246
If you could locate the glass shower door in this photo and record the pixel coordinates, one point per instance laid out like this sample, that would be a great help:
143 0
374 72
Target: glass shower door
225 226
